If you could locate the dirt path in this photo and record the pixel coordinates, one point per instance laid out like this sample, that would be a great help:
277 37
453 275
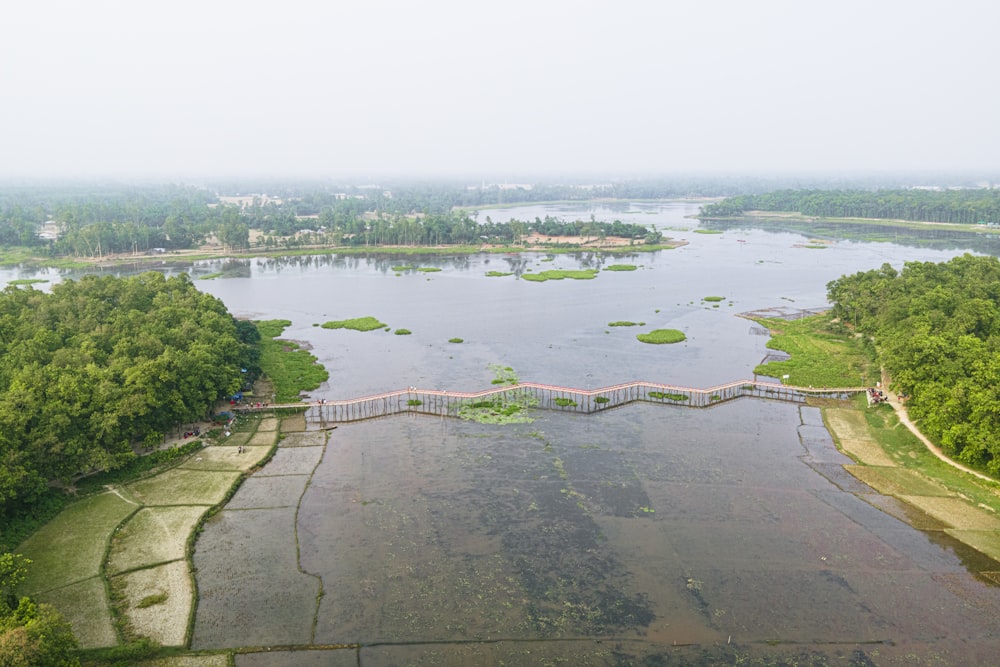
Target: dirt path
934 449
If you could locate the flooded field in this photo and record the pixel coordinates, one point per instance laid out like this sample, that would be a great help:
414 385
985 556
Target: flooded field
626 536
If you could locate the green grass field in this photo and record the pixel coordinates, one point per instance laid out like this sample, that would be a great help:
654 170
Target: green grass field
72 546
821 355
192 487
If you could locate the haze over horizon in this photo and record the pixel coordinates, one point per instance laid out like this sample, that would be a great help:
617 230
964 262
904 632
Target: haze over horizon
116 89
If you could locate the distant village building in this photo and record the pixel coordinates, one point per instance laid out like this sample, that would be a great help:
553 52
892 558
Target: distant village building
246 201
49 231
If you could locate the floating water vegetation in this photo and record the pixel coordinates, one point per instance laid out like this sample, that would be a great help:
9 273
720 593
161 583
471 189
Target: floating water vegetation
414 402
400 269
403 332
357 324
565 402
508 407
602 399
503 374
713 298
708 231
626 323
621 267
455 340
210 276
429 269
559 274
662 336
498 274
27 281
668 397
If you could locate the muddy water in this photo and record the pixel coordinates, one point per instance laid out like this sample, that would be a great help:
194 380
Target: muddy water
645 533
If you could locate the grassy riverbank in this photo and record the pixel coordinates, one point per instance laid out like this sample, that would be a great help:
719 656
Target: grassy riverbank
823 354
932 495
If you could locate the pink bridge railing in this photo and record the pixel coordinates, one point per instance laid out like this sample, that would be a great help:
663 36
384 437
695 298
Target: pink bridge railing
550 397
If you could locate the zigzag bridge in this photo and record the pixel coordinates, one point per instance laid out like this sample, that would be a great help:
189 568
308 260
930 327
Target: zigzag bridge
544 396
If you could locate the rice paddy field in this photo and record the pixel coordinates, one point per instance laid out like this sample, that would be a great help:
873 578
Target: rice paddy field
122 554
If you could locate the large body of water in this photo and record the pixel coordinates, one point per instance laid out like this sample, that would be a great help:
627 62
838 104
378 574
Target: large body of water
642 535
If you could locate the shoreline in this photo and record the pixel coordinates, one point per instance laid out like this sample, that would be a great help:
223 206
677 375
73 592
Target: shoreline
793 216
194 255
930 503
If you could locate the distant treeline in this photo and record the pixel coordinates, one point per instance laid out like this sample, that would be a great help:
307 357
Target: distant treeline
461 228
101 365
937 331
960 206
137 221
97 221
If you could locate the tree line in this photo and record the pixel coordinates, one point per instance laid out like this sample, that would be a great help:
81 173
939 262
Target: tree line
137 222
967 206
936 328
101 365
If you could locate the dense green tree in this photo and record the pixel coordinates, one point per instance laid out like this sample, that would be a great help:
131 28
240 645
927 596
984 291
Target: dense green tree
937 329
101 364
969 206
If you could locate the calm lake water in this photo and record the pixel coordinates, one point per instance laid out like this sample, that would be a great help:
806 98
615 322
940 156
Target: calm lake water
642 535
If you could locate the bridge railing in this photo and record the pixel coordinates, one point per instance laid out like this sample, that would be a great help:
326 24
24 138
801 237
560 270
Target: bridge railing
552 397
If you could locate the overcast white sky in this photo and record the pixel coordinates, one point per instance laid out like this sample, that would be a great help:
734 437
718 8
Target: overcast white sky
368 88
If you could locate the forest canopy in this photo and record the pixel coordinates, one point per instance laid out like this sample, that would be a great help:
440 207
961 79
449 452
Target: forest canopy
101 364
968 206
936 328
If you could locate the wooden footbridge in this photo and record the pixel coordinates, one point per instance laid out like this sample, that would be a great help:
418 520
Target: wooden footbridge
550 397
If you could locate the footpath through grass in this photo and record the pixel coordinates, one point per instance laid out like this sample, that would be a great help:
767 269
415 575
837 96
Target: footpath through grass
889 458
894 462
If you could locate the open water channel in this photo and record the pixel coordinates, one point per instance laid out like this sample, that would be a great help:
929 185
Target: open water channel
648 534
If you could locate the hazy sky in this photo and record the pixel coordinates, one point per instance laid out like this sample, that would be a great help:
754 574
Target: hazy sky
193 88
